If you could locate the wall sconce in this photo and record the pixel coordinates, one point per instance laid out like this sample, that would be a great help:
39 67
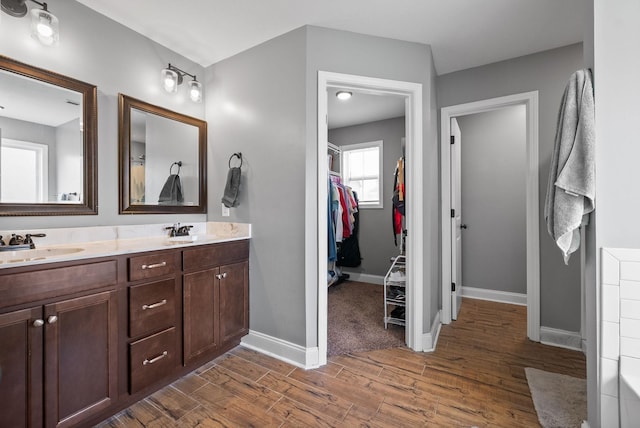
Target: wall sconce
44 24
172 76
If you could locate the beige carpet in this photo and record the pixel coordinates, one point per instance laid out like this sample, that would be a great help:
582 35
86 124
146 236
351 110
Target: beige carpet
560 400
356 319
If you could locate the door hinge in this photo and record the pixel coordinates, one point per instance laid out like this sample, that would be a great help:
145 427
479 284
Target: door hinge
453 213
453 286
453 139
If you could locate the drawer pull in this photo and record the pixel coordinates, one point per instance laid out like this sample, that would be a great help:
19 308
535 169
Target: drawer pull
154 305
153 266
156 359
38 323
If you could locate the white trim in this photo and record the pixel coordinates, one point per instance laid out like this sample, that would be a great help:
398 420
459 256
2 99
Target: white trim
288 352
415 216
430 340
494 295
561 338
530 100
365 277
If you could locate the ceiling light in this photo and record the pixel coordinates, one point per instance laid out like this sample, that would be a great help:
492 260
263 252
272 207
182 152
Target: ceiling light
344 95
172 77
44 24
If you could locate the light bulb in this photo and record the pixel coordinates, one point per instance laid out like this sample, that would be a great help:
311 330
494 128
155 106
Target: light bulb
44 27
169 80
195 91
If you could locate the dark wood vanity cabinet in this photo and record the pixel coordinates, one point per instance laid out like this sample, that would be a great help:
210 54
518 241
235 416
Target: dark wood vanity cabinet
216 298
81 340
58 359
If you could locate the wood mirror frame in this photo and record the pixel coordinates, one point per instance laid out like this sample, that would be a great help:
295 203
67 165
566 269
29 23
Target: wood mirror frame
89 203
125 106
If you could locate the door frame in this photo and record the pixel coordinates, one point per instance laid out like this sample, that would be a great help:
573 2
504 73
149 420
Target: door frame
414 205
530 101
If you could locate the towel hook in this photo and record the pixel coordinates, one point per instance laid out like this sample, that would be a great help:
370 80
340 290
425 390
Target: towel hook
237 155
179 163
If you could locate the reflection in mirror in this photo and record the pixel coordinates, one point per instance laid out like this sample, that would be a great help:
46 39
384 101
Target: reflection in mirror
162 160
47 142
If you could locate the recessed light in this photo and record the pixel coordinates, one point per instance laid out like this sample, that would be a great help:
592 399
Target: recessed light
343 95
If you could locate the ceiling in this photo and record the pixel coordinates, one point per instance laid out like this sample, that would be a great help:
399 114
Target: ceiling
462 33
362 108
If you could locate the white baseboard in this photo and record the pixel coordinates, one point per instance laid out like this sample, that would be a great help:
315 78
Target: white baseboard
430 340
306 358
494 295
561 338
365 277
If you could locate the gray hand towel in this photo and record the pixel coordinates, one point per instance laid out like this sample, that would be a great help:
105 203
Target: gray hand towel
230 198
171 193
571 187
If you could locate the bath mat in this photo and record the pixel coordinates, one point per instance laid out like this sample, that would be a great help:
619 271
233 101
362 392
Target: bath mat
560 400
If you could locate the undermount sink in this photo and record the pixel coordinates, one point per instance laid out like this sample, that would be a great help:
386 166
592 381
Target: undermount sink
35 254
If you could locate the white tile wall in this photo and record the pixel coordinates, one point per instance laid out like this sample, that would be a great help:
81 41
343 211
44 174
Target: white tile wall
630 270
630 290
619 324
610 303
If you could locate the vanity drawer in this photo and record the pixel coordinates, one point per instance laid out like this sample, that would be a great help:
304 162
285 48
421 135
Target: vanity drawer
152 307
152 265
151 359
25 287
215 255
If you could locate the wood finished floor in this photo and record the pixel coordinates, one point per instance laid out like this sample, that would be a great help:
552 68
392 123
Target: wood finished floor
474 378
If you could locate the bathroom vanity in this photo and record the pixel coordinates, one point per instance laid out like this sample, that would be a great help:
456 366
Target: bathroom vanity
90 334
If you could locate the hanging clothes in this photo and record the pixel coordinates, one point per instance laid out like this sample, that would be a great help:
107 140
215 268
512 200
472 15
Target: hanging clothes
398 200
349 251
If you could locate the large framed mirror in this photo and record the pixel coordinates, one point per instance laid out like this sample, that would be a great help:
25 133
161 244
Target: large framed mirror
48 142
163 160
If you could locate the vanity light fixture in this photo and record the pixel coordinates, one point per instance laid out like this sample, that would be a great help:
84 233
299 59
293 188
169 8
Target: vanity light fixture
44 24
172 77
344 95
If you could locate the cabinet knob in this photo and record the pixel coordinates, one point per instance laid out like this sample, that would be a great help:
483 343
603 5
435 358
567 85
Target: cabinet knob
219 276
38 323
52 319
224 275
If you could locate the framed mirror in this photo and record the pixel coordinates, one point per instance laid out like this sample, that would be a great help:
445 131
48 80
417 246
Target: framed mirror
163 160
48 142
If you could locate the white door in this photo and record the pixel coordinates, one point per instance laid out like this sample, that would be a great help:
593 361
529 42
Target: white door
456 221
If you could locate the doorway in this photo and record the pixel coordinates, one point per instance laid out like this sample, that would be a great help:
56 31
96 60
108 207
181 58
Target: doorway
412 92
530 102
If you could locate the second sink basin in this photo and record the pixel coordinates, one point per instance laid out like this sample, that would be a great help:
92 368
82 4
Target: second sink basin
35 254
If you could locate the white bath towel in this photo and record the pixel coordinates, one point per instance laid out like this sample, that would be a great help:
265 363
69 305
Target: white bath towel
571 188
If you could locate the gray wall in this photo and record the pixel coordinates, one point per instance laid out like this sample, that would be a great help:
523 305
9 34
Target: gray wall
263 102
376 246
102 52
255 105
494 166
546 72
351 53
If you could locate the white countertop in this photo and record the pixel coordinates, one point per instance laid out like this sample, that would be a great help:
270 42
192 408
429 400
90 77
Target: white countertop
211 233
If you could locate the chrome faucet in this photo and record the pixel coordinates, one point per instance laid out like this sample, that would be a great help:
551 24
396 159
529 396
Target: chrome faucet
177 230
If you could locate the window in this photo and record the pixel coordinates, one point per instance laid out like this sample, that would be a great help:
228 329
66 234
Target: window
24 171
362 171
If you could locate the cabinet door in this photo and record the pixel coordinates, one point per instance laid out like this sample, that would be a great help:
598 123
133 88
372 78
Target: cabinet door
200 313
21 368
234 301
80 358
